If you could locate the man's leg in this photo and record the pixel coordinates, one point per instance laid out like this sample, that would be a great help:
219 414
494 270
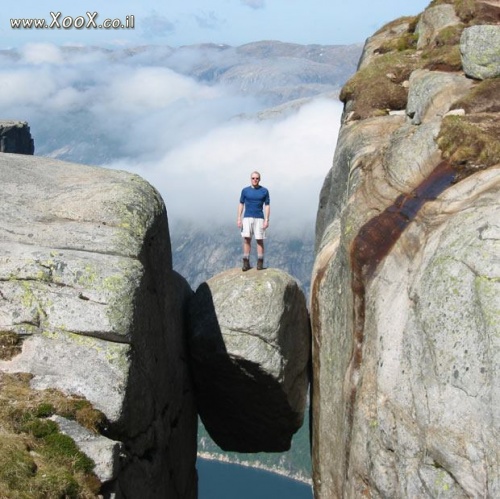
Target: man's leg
260 254
247 241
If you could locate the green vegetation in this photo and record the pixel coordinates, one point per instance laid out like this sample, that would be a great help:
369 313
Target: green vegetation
465 9
377 88
470 142
10 345
484 97
36 460
444 54
407 40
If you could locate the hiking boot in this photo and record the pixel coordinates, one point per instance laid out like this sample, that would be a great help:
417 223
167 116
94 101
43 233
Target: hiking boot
260 264
246 264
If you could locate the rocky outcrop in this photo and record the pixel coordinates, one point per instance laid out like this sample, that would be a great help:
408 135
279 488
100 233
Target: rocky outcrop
404 295
480 54
432 21
15 137
250 343
103 451
86 281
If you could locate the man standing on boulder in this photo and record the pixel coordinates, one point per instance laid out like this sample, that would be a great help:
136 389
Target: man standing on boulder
255 209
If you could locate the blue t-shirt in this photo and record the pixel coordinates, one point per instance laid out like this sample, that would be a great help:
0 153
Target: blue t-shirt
254 199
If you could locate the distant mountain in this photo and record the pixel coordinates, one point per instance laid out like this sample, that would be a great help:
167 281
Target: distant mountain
282 77
278 71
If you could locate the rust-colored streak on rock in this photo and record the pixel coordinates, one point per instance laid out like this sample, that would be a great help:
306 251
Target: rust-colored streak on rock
377 237
372 244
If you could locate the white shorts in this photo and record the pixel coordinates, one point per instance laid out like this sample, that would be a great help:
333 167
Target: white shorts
253 227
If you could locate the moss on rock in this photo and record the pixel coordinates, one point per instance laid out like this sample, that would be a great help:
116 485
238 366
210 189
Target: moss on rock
10 345
470 142
36 460
378 87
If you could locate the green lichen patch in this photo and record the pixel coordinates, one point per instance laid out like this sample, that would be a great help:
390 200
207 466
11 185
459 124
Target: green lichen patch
470 142
10 345
36 460
143 204
378 87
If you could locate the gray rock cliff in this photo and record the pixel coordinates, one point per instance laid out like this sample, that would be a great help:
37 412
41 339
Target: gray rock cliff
250 345
15 137
405 291
86 281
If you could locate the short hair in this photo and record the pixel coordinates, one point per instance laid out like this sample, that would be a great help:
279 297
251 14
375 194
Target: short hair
256 173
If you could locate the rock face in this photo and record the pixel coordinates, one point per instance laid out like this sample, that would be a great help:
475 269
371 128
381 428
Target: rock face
15 137
250 344
405 292
86 280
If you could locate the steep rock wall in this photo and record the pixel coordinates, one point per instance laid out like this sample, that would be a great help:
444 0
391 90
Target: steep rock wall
86 282
404 300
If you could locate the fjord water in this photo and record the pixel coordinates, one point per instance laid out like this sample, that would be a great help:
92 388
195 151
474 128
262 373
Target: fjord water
218 480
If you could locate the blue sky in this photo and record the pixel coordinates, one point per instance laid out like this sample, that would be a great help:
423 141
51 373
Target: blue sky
233 22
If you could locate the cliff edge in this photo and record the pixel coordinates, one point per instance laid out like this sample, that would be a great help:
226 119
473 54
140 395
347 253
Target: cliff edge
89 297
406 283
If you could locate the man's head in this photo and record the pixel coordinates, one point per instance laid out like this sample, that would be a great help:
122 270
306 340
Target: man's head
255 179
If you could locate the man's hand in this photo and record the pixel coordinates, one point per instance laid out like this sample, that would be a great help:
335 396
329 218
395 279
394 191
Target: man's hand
239 223
265 225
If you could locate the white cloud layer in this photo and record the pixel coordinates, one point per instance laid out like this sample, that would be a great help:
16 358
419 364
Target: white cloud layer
188 139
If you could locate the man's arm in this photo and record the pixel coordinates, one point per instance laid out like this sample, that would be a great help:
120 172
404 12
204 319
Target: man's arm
267 214
240 213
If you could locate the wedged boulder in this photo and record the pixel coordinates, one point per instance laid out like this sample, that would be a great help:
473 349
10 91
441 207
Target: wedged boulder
86 282
250 344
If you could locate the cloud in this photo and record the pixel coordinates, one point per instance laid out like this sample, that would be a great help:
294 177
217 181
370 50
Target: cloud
150 88
293 156
156 25
18 87
208 20
41 53
196 143
254 4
